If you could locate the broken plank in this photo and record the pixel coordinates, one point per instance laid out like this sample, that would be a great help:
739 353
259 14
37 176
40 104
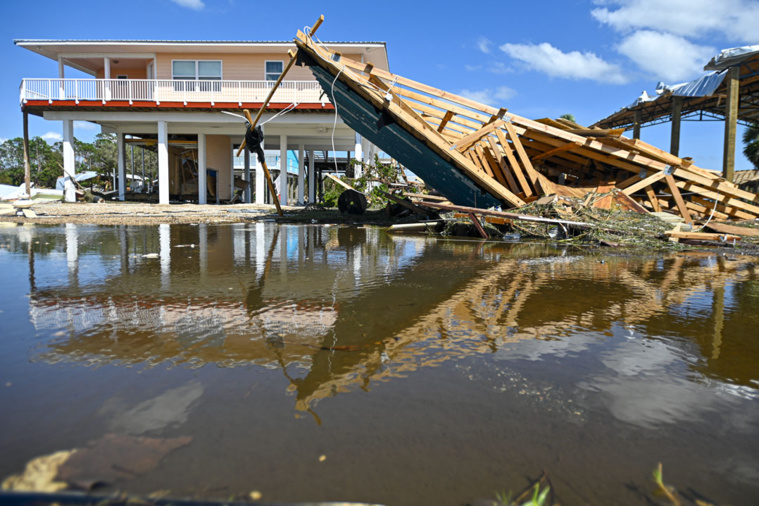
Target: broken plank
702 236
478 226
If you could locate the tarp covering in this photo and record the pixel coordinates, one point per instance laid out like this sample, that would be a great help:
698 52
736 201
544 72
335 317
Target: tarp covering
702 87
729 57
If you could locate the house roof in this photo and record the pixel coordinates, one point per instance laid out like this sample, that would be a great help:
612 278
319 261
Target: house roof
375 52
704 96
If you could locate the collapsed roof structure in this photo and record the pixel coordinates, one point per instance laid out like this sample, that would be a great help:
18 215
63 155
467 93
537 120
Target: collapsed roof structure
481 156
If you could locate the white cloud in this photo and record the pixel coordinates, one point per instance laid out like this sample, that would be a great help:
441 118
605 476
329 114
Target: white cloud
499 68
490 96
735 19
472 68
573 65
52 137
190 4
667 57
85 125
484 44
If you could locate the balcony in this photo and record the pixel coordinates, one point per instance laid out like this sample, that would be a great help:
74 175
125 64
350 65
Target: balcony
169 91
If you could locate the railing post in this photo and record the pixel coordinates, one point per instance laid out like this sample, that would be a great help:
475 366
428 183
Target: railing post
130 83
22 97
49 91
76 90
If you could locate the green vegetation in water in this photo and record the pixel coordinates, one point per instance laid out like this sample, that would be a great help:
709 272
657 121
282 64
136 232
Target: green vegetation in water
536 494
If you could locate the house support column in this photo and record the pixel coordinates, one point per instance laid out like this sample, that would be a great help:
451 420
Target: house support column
677 108
301 173
202 179
311 178
636 124
69 161
246 194
163 162
121 154
282 186
358 170
731 122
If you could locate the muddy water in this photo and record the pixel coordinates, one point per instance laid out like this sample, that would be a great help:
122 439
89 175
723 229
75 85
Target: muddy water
315 363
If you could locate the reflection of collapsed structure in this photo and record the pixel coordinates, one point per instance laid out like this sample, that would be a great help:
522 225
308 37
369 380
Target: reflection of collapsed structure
337 309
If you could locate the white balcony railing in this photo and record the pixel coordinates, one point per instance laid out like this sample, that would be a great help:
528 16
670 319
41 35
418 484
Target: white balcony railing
162 90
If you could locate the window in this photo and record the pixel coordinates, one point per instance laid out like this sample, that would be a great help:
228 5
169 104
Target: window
274 69
196 70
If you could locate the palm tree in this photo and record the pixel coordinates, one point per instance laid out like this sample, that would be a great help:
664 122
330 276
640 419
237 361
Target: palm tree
751 144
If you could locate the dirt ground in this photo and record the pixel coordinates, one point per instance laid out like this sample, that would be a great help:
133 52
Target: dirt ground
129 213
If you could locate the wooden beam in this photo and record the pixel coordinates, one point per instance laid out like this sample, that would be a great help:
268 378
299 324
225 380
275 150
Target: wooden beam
566 147
678 199
651 194
636 123
503 166
703 236
516 169
445 120
468 141
408 205
478 226
483 162
731 122
674 141
267 174
648 181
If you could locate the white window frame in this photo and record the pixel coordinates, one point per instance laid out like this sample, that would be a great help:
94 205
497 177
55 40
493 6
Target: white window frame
267 73
221 67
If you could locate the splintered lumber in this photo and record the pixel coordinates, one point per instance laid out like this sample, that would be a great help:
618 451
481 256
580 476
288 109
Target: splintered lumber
511 216
339 181
479 156
724 228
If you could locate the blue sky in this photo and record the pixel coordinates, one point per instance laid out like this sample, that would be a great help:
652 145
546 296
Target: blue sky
538 59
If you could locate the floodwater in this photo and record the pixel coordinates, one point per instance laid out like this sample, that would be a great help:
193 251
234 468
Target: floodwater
317 363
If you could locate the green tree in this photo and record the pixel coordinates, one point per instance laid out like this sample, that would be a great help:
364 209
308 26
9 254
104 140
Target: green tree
568 116
751 144
45 162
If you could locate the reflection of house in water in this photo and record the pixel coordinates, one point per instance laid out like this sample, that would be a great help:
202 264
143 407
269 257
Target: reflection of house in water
337 308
